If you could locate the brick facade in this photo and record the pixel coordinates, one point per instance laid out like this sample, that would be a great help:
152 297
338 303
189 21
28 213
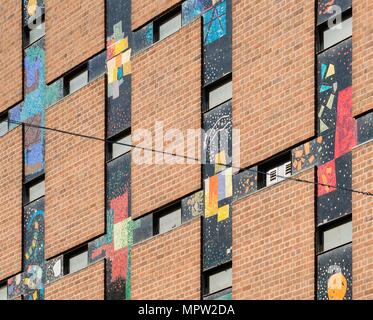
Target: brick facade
87 284
362 215
144 11
168 267
75 170
11 203
362 67
273 78
167 88
273 241
76 32
11 77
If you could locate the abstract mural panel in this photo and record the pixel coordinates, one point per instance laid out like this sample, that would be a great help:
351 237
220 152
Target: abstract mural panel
32 9
334 203
334 76
192 207
217 35
119 43
217 140
327 9
116 245
334 274
338 129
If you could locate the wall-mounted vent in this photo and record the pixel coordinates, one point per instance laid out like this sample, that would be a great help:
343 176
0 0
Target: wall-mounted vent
279 173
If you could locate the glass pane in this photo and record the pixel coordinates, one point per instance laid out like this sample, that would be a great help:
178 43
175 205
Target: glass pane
36 191
78 81
119 149
220 281
3 127
3 293
78 262
37 33
170 221
337 236
337 33
169 27
220 95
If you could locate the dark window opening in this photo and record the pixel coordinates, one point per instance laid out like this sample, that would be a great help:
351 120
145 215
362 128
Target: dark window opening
334 234
217 93
4 124
167 219
34 31
167 24
76 79
119 145
334 31
274 170
75 260
217 280
34 190
3 291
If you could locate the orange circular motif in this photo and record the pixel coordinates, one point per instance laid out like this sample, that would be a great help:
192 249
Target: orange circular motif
31 9
337 287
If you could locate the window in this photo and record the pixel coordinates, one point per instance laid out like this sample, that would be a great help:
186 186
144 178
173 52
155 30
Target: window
168 219
76 80
3 292
122 146
168 24
218 280
76 260
4 126
35 190
275 170
220 94
336 235
328 37
36 32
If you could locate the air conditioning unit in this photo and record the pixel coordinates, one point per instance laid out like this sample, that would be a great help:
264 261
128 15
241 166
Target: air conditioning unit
279 174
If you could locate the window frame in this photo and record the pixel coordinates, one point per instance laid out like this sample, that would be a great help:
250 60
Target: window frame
164 212
329 226
320 30
115 139
213 86
4 117
172 13
29 185
206 280
72 254
27 32
72 75
4 285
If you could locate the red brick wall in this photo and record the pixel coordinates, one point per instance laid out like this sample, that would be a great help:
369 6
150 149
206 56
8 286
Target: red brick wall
166 88
75 32
87 284
168 266
75 169
362 67
273 78
145 10
11 203
273 242
10 53
362 215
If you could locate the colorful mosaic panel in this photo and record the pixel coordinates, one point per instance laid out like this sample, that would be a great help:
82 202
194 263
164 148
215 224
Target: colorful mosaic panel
217 50
327 9
334 274
116 245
